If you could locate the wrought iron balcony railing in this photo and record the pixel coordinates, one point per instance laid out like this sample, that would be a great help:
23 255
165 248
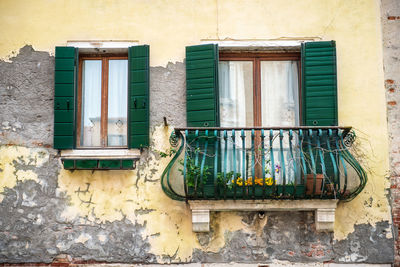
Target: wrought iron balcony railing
263 163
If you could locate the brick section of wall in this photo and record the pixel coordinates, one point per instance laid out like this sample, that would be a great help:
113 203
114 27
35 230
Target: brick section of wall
391 60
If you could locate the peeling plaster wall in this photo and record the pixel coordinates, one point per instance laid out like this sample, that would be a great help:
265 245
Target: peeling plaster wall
123 216
391 59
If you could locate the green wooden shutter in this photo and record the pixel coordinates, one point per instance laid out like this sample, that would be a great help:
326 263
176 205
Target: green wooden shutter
138 104
202 103
64 97
319 83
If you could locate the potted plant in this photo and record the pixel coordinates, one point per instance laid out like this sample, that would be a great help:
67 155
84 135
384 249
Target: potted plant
310 183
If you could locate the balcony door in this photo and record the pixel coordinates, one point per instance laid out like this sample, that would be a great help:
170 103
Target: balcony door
259 90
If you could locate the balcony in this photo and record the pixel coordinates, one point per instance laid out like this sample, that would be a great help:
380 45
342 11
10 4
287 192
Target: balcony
263 168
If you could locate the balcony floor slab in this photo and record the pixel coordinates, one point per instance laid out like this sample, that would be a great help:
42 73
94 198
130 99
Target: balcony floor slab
324 210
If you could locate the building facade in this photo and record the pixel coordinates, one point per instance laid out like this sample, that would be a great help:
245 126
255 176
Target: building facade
390 29
89 170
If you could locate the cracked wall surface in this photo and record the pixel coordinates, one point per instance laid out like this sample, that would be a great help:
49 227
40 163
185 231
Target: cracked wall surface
391 59
124 216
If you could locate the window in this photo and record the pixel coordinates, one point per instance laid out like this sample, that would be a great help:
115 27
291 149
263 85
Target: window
102 101
253 89
269 81
259 89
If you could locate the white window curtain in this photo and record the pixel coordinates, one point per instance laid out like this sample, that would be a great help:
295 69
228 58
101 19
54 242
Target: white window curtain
117 102
91 103
236 108
280 107
279 93
234 103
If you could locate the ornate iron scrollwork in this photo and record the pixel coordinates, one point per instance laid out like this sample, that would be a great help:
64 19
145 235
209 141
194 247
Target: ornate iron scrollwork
174 139
349 139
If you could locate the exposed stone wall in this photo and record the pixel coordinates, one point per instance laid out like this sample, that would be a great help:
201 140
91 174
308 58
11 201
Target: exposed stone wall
26 99
391 59
123 216
168 95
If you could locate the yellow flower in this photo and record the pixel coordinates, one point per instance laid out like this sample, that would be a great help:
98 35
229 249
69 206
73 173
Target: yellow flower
269 181
239 181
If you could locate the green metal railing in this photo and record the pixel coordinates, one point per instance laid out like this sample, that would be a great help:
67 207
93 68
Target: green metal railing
263 163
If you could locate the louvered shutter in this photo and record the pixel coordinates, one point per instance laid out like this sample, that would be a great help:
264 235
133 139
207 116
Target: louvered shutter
202 86
202 102
138 104
64 97
319 83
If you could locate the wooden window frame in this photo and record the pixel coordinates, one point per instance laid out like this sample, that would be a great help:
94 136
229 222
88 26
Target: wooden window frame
104 99
256 58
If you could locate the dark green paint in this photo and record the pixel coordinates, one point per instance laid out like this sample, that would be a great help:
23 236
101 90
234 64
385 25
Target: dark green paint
95 164
64 129
137 115
109 164
65 64
69 164
64 90
65 116
64 142
202 85
86 164
319 84
138 104
138 89
63 103
139 128
127 164
64 97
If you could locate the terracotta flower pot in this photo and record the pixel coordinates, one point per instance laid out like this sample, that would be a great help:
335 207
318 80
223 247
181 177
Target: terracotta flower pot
310 183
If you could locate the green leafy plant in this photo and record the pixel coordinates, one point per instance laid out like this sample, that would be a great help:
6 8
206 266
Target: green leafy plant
167 153
194 173
227 179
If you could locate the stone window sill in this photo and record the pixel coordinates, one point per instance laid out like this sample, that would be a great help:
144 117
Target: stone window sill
100 153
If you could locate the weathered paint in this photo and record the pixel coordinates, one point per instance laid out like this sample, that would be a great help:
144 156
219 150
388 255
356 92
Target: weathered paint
108 196
15 162
391 59
123 216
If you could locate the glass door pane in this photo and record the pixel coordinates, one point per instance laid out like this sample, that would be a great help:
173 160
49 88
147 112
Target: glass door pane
91 99
117 102
236 109
279 93
280 107
236 93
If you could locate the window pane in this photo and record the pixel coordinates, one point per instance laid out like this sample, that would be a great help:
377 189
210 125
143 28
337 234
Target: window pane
117 102
91 103
236 107
279 93
236 93
280 107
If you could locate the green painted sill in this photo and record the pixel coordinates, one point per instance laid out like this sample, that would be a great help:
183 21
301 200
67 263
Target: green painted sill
99 164
100 159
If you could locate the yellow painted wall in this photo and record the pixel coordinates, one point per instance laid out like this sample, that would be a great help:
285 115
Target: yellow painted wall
169 26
